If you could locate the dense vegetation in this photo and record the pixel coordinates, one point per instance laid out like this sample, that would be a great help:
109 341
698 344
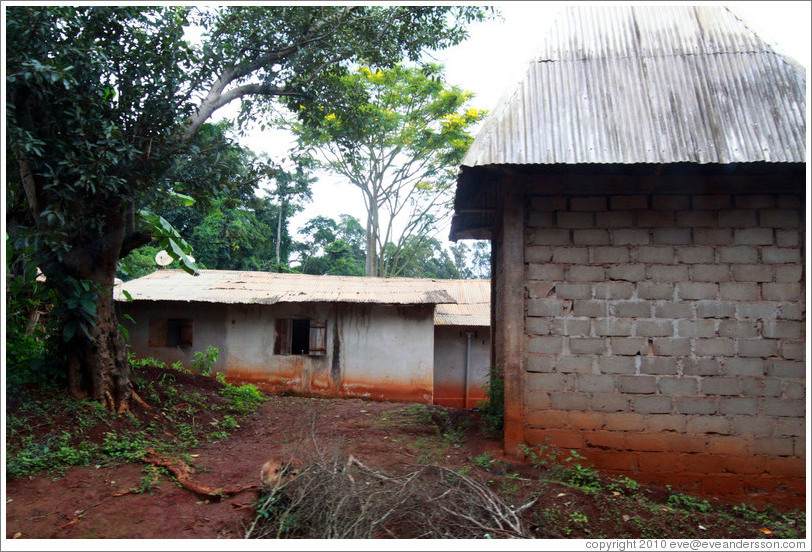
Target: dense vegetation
110 125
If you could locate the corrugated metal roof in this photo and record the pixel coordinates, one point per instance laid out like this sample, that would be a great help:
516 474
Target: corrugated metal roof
663 84
472 307
266 288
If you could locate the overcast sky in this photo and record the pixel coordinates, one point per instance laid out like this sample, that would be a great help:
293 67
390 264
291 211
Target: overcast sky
497 53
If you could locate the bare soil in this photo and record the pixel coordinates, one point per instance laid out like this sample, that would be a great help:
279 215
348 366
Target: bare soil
88 502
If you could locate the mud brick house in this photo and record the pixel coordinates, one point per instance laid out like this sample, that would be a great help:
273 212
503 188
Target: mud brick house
644 191
318 335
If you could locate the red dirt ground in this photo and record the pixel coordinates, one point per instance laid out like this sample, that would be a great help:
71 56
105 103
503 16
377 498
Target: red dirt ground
386 436
41 507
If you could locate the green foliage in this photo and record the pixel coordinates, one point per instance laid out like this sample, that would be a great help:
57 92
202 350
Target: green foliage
31 332
130 446
242 399
420 257
77 310
106 120
166 237
541 456
149 480
472 261
229 422
332 247
789 525
84 106
578 518
203 362
225 426
140 262
622 485
567 469
688 502
451 427
276 506
400 144
52 452
492 407
39 440
484 460
580 475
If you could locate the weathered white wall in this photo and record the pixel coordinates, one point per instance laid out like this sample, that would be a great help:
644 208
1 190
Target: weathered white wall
450 360
374 351
386 351
250 355
209 329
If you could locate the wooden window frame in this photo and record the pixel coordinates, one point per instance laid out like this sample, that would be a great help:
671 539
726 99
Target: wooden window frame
171 332
317 337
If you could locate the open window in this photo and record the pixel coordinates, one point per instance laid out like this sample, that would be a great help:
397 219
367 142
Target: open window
296 336
171 332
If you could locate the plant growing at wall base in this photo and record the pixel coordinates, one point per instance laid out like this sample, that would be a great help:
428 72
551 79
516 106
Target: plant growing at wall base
203 362
687 502
484 460
492 407
585 477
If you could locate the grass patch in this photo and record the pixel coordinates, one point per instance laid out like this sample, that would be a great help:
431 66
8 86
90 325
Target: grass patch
50 432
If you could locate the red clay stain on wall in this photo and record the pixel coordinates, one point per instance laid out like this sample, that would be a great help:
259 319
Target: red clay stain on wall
707 465
290 380
452 395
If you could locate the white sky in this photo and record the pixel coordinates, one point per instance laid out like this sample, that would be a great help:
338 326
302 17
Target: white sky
496 56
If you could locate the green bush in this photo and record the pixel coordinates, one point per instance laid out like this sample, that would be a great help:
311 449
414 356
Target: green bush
204 362
243 399
131 446
492 407
31 334
51 452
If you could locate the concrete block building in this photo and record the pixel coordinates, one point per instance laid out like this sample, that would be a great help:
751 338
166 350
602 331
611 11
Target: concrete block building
644 192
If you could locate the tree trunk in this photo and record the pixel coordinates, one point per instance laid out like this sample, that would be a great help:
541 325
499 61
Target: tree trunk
372 249
373 233
99 368
279 236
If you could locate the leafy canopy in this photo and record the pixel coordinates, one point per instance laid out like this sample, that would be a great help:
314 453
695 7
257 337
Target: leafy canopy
399 142
107 113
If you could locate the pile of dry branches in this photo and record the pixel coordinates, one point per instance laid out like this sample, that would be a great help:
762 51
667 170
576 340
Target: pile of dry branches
328 500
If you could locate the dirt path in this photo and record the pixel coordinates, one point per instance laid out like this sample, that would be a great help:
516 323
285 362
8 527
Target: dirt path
82 503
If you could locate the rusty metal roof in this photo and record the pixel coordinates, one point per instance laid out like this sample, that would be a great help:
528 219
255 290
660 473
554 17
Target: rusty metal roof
662 84
266 288
472 307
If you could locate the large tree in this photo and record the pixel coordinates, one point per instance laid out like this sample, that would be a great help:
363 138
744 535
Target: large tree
422 257
104 111
399 143
332 247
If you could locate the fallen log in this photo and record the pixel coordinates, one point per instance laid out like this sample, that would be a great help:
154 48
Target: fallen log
182 473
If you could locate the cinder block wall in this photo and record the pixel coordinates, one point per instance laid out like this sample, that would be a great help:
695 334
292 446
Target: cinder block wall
665 338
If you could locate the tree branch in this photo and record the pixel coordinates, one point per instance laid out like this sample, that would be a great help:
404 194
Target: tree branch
215 101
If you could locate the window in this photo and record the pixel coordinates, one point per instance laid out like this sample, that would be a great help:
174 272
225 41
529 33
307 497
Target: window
300 337
171 332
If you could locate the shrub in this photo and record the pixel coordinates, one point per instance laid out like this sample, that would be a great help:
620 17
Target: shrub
31 334
492 407
243 399
204 362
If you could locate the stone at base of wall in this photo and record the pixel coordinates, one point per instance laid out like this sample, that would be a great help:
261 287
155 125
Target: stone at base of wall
754 479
